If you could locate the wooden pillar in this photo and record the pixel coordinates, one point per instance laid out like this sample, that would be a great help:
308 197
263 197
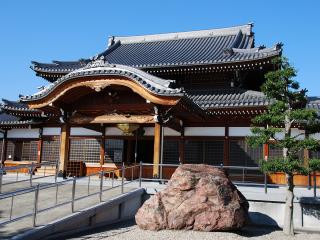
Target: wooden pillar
102 145
156 149
40 143
226 158
4 146
181 150
64 150
266 151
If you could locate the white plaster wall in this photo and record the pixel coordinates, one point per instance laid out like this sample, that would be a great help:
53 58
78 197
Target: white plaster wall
23 133
77 131
204 131
51 131
315 136
113 131
296 132
148 131
170 132
239 131
279 135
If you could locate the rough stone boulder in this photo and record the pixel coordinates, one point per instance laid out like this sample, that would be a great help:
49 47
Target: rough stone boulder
198 197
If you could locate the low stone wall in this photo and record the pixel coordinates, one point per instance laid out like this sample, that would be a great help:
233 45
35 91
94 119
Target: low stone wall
115 210
306 213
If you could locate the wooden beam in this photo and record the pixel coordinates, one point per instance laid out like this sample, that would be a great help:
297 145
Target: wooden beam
175 125
156 149
64 150
112 118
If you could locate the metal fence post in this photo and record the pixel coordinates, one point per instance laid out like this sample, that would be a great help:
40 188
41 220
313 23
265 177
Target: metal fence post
112 182
57 190
56 173
73 193
35 207
314 184
89 185
242 174
1 175
265 184
101 185
122 175
31 173
140 174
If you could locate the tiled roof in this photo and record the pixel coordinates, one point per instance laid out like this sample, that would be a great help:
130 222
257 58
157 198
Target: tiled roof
99 67
5 118
207 47
227 98
314 103
18 108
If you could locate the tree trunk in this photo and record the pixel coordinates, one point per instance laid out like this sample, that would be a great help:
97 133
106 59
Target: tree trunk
288 214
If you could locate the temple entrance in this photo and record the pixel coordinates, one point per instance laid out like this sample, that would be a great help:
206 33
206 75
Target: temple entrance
145 151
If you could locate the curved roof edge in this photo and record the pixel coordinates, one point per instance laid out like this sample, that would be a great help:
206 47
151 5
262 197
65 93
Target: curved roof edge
99 67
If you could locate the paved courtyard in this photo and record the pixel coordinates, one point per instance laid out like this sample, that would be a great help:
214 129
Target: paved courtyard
130 231
23 204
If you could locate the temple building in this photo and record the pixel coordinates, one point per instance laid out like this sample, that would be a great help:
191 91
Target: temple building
183 97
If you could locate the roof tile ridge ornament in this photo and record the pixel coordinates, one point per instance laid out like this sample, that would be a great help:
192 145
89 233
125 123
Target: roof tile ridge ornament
98 62
246 29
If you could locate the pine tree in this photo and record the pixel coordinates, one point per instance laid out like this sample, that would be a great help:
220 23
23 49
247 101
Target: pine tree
287 109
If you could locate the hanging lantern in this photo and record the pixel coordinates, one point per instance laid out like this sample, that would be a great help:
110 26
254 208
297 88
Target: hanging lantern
128 128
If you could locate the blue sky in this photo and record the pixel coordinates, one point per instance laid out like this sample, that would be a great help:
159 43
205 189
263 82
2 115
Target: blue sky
72 29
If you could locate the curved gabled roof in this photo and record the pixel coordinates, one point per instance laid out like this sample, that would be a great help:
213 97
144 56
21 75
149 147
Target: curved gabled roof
99 67
206 47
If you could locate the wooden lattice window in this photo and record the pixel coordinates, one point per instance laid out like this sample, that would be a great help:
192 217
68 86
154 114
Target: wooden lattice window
86 150
10 150
242 154
171 151
114 150
29 151
315 154
204 151
50 150
276 152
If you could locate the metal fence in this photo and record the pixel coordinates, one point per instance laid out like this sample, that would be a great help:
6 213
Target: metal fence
9 206
25 174
107 180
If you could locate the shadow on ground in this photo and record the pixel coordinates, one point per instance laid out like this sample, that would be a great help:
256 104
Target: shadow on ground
116 229
120 228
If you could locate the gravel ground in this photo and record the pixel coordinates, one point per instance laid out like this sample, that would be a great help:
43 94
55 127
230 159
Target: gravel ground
130 231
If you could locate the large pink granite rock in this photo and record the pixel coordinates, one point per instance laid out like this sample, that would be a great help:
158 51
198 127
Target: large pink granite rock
198 197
